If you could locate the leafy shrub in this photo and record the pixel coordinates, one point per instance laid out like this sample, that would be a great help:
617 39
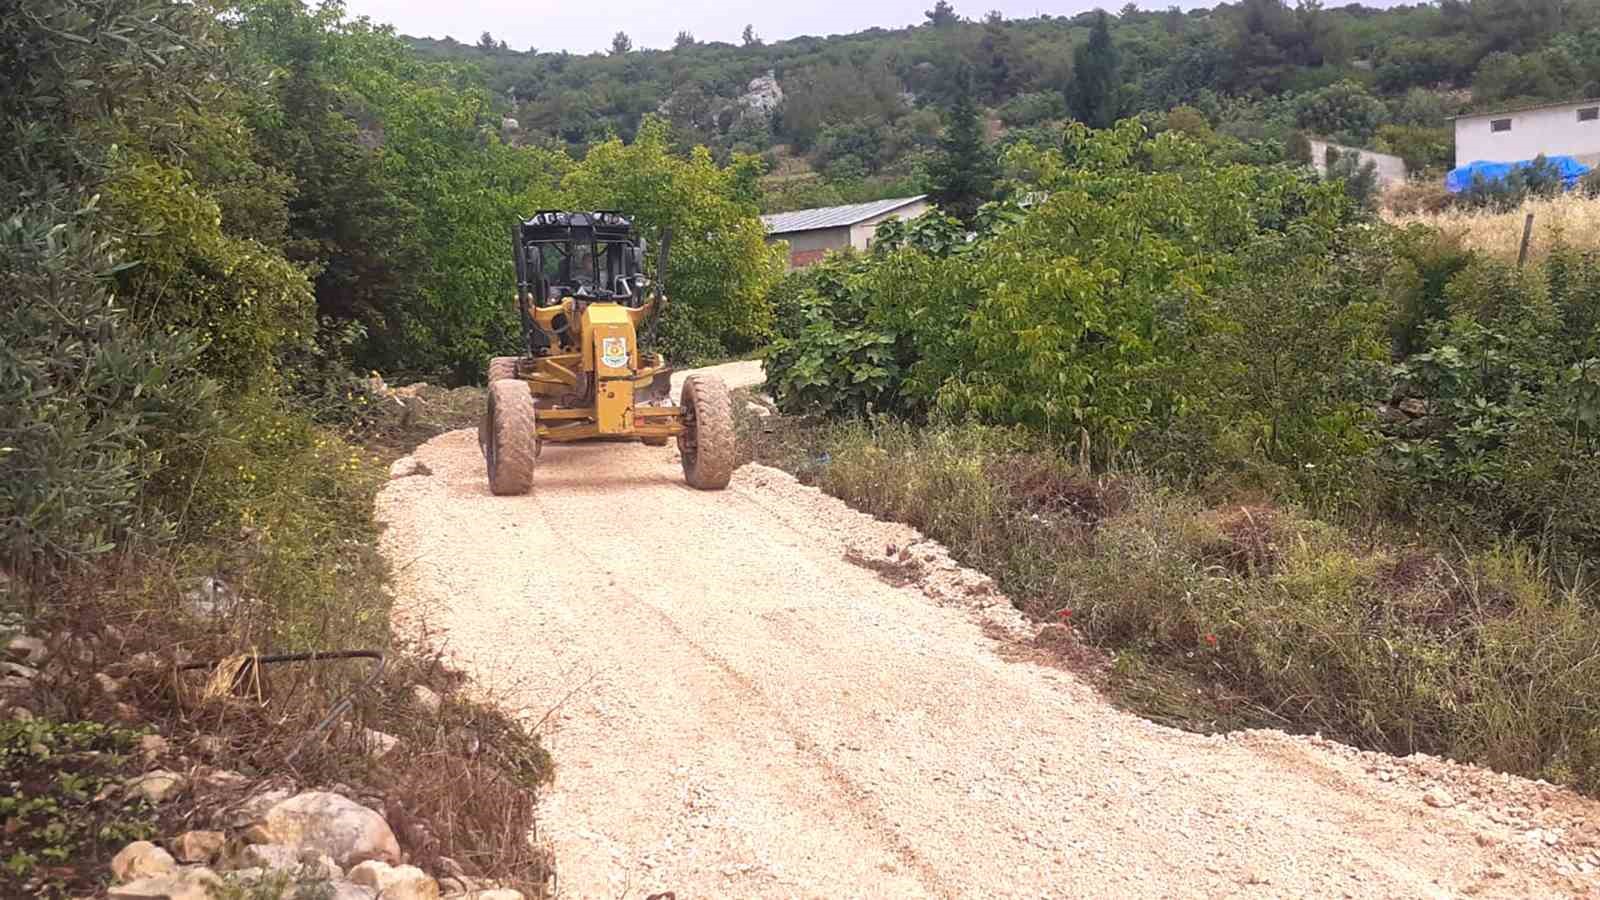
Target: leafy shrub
1297 363
171 234
1512 381
91 406
1343 112
721 266
1074 316
788 299
827 356
860 332
686 341
1032 108
1358 179
319 377
1422 149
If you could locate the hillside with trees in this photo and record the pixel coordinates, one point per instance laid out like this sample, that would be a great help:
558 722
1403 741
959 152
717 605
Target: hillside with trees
860 116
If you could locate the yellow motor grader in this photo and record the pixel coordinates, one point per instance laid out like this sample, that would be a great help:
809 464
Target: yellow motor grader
582 296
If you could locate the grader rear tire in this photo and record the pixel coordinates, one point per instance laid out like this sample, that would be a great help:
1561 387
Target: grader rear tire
707 443
500 367
509 438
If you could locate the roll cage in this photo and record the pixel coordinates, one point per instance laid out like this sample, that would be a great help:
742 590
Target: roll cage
585 255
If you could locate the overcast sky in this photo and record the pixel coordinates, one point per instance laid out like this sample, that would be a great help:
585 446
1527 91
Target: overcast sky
584 26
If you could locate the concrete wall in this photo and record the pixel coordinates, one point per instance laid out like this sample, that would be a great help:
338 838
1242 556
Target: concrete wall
861 233
1552 130
1390 169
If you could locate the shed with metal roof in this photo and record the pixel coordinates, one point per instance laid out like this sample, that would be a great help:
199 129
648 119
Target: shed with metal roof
811 233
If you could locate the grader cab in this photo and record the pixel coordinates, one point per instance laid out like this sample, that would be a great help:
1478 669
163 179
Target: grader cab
583 299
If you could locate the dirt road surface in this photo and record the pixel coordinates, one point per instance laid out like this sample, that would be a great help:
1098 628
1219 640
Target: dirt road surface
742 708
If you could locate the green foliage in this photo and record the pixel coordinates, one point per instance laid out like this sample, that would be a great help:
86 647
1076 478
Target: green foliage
1085 314
1032 108
90 406
942 15
827 356
1342 112
172 231
1298 360
1358 179
1511 374
961 177
1246 66
721 267
1095 96
1422 149
60 826
844 346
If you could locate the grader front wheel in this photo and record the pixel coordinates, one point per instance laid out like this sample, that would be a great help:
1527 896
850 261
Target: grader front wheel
707 442
508 437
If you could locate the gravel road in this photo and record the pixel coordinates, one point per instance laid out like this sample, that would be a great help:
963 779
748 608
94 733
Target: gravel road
741 708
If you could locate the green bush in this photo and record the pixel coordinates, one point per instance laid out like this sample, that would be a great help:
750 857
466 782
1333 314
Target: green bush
1512 382
721 266
1085 314
1422 149
1032 108
245 302
91 405
1342 112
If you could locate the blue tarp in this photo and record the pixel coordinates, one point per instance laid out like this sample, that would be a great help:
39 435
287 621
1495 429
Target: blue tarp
1461 177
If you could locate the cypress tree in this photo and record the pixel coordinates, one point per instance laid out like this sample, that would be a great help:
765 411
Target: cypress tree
962 176
1093 96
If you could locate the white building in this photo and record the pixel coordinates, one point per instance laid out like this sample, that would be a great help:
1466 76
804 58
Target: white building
1551 129
811 233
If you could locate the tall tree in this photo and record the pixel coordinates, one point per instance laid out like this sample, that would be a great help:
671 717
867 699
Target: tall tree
962 175
486 41
683 40
621 43
942 15
1094 96
750 38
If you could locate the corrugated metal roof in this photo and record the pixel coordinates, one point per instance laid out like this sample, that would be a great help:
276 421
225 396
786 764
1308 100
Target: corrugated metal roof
832 216
1529 108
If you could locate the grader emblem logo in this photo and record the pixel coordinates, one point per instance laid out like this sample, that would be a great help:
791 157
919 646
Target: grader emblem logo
614 352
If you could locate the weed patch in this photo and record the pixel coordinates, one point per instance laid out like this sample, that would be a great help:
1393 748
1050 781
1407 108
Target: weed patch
62 813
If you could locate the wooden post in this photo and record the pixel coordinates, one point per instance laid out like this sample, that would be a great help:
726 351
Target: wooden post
1527 235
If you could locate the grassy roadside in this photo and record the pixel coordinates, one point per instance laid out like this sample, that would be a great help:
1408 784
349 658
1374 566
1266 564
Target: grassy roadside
1220 615
278 554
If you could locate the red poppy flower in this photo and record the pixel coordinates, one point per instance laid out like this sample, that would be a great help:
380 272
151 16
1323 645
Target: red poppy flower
1065 614
1211 640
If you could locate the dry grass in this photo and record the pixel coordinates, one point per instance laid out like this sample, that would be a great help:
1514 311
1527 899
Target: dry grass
461 783
1570 218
